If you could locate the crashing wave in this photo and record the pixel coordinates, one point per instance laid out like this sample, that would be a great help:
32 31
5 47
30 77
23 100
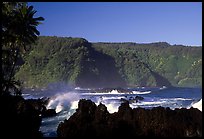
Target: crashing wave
74 104
63 100
112 107
114 92
59 108
198 105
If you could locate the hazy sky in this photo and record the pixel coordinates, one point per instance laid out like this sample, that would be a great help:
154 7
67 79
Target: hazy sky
140 22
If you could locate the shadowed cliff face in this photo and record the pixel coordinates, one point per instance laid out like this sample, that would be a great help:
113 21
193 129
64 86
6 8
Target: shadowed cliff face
160 80
90 120
98 70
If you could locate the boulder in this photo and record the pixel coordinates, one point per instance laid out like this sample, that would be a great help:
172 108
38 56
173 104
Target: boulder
132 99
138 98
49 113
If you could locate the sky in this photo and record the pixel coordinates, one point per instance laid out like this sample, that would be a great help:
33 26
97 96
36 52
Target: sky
139 22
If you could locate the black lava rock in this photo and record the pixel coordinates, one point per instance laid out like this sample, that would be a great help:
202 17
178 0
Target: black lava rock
95 121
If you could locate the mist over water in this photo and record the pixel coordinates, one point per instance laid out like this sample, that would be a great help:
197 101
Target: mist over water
51 90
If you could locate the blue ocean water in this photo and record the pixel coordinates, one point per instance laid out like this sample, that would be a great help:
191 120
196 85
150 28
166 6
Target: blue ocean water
65 102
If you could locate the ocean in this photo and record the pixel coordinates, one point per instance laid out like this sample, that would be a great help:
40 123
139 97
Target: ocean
65 101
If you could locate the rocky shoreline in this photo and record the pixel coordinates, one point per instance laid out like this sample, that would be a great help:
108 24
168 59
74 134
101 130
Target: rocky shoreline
22 118
18 118
90 120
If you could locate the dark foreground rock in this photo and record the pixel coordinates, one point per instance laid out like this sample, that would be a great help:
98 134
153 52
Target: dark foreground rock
40 106
19 118
90 120
132 99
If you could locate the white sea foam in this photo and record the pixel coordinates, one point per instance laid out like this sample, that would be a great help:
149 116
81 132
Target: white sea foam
112 92
152 103
74 104
115 92
60 101
138 92
163 87
112 107
77 88
59 108
175 99
198 105
112 98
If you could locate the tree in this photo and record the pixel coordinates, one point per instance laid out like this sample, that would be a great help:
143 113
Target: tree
18 30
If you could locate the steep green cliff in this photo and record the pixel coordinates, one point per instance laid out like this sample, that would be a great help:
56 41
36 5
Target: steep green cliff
81 63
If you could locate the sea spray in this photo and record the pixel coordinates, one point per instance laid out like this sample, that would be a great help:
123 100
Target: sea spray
114 92
74 104
59 108
197 105
72 110
112 107
63 101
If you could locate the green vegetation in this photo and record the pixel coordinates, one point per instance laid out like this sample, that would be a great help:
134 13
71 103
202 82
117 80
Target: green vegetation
180 65
52 59
78 62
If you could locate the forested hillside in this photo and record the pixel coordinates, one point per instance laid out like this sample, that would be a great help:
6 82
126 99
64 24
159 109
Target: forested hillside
81 63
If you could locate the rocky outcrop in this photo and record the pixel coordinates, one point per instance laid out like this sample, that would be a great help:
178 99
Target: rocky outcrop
132 99
40 106
18 119
90 120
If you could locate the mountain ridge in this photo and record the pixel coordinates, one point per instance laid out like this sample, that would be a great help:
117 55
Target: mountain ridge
81 63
